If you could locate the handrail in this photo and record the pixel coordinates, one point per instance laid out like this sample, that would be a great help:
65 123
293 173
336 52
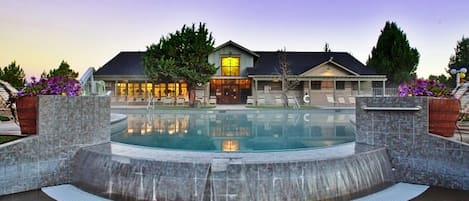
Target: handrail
87 75
416 108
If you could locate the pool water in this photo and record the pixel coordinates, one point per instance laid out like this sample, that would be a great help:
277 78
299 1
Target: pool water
238 131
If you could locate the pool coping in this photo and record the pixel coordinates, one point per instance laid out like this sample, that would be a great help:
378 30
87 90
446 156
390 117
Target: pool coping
121 151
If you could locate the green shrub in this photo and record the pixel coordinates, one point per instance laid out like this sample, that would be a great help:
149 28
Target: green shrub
4 118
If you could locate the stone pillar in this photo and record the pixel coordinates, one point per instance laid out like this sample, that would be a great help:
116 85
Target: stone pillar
65 124
398 124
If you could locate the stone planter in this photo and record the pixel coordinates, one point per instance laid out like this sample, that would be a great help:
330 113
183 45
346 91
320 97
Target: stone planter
443 115
26 107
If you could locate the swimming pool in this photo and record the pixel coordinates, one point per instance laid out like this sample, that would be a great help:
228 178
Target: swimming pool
237 131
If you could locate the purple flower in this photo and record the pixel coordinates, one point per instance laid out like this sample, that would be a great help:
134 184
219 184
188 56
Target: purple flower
421 87
57 85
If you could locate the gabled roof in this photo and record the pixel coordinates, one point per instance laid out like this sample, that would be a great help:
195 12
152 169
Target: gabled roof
124 63
231 43
300 62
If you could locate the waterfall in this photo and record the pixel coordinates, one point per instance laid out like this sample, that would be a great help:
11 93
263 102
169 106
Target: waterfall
98 171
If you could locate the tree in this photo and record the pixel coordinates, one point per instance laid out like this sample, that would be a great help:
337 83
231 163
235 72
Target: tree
284 71
14 75
459 59
160 69
393 56
63 70
443 78
188 48
326 48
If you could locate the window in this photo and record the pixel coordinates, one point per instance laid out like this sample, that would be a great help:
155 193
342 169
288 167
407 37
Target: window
354 86
316 85
340 85
121 89
171 89
146 89
229 66
134 89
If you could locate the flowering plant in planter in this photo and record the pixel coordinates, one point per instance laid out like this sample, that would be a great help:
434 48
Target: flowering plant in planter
57 85
443 111
421 87
27 100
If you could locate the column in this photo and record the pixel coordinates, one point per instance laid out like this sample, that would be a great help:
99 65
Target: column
384 88
333 92
255 91
309 93
359 87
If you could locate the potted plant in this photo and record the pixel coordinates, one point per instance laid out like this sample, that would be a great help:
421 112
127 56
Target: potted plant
443 108
26 98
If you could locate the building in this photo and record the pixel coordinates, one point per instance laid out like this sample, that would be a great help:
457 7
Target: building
249 77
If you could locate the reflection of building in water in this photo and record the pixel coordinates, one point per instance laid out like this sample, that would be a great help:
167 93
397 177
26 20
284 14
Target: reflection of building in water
230 145
228 126
165 124
234 132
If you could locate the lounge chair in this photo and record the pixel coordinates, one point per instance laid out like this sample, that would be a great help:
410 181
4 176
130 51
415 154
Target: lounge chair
212 100
250 100
330 99
180 100
341 100
260 101
291 100
278 100
167 100
351 99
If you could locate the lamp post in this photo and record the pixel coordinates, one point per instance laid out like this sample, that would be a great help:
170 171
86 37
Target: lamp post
458 74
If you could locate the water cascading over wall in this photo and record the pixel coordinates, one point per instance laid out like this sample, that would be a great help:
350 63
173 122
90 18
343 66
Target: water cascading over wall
123 178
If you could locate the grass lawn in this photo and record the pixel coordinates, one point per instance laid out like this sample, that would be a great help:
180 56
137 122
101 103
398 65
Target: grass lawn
7 138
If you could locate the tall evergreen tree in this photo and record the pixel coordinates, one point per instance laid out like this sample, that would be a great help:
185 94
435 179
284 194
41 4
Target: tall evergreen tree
182 55
14 75
63 70
459 59
393 55
327 48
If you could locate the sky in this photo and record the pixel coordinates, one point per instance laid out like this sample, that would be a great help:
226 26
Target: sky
39 34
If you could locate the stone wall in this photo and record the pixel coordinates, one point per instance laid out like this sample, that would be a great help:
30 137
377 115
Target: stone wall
64 125
416 155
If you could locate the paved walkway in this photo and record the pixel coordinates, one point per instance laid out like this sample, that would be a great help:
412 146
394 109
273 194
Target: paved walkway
397 192
9 128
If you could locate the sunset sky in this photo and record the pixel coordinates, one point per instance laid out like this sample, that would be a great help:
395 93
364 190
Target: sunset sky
38 34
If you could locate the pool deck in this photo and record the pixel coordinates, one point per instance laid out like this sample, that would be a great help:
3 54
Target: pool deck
9 128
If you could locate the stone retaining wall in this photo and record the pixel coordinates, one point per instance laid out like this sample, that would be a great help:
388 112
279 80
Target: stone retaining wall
64 125
416 155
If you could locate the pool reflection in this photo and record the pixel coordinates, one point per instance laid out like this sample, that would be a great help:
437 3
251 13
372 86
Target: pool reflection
235 131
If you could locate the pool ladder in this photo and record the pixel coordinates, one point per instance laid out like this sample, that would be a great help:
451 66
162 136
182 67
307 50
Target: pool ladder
151 103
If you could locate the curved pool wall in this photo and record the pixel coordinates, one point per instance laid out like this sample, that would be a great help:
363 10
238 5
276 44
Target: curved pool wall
126 172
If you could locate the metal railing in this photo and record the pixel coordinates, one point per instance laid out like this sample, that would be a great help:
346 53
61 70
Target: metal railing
387 92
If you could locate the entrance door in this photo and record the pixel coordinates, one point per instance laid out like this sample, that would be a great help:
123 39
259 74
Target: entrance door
230 91
230 94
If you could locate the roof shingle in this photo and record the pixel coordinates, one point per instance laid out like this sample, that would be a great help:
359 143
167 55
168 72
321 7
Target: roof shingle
300 62
124 63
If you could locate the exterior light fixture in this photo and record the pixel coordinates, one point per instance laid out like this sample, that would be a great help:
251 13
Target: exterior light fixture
461 73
